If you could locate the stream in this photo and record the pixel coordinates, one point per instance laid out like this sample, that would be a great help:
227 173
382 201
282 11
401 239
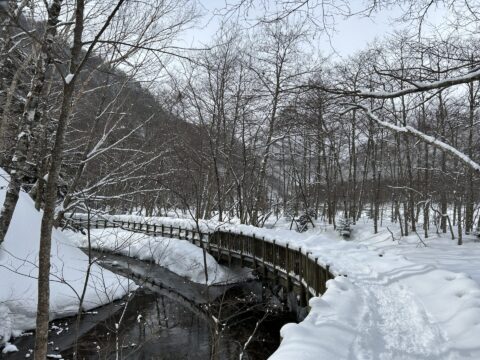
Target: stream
169 317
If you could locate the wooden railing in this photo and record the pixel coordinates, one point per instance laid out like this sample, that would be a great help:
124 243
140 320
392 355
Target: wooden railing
293 267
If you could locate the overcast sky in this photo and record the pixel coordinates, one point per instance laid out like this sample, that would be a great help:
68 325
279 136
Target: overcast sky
351 34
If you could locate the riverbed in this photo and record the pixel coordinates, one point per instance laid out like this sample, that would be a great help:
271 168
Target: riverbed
169 317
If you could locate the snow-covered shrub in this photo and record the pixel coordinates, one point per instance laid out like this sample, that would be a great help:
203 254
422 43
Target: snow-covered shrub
343 227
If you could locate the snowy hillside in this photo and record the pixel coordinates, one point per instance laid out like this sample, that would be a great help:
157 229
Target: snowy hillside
18 271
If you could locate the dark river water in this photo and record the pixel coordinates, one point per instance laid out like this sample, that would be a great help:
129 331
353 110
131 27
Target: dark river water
170 318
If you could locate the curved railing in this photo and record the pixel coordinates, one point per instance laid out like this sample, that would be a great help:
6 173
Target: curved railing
292 267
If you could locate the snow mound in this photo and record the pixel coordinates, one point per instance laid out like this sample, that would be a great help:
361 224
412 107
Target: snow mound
9 348
179 256
332 317
19 269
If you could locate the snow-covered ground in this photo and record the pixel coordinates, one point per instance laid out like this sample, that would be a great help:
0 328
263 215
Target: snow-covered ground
440 250
18 271
179 256
400 299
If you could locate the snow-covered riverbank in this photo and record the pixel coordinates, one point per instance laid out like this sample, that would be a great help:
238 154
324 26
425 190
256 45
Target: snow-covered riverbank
18 272
179 256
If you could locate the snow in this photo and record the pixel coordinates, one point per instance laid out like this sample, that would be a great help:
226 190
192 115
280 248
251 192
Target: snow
441 251
399 299
9 348
424 137
279 234
423 86
179 256
69 78
18 271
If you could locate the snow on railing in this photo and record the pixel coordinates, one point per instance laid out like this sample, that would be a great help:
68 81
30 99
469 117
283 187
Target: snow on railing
270 257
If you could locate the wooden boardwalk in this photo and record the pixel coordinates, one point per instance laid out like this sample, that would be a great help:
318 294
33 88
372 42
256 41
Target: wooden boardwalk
290 267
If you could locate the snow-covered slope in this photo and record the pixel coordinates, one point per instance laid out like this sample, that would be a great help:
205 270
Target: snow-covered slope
18 271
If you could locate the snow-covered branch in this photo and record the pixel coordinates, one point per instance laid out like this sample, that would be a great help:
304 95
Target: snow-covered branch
443 146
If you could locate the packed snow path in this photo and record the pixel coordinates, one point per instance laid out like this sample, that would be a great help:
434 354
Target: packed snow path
412 335
388 307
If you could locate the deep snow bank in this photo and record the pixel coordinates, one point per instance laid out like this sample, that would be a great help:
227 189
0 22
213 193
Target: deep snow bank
179 256
18 272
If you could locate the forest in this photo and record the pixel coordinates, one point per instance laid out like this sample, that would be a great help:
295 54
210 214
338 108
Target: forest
108 107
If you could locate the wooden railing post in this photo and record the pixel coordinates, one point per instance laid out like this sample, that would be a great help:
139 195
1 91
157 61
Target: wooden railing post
298 264
242 247
308 280
171 231
274 255
264 256
286 258
287 265
218 236
253 251
229 247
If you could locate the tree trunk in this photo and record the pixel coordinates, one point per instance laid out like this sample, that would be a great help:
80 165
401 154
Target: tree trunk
30 117
41 338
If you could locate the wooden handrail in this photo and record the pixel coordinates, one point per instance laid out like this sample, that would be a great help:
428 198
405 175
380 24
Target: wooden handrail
296 266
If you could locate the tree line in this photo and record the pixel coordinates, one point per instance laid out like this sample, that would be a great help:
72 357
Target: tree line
100 107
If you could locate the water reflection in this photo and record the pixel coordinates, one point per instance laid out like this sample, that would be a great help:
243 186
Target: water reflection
172 319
